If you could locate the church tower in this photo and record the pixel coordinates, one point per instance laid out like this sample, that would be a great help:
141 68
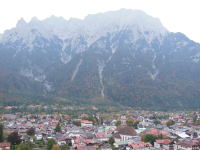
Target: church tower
123 120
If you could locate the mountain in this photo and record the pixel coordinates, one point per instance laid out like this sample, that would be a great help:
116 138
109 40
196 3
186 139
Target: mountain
124 56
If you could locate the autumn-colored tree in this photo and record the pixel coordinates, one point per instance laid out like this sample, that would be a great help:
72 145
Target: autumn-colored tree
5 135
130 123
55 147
143 136
159 116
5 118
94 120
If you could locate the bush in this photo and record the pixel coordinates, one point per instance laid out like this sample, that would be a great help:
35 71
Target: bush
41 145
31 131
111 140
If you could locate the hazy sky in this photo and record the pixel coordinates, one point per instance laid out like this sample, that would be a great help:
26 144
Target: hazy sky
176 15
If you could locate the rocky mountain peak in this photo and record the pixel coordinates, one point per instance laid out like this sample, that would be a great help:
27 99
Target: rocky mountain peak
21 23
92 27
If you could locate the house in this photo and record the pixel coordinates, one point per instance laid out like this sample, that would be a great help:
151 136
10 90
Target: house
61 140
180 134
100 136
96 143
192 134
74 130
187 144
22 131
39 137
164 143
5 146
55 121
161 127
88 135
121 144
86 123
94 108
107 129
9 116
176 118
138 145
106 147
84 147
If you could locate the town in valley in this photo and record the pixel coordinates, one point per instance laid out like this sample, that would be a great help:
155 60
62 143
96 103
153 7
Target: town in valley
126 129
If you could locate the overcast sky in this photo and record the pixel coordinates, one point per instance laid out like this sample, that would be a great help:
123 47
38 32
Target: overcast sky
176 15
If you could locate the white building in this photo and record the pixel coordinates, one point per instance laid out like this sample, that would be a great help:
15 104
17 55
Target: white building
87 123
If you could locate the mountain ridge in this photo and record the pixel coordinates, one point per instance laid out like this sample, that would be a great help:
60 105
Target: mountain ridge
124 56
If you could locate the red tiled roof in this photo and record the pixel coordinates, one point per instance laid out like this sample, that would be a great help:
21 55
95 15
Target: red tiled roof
77 141
4 144
123 129
86 121
100 135
55 121
140 145
164 132
163 141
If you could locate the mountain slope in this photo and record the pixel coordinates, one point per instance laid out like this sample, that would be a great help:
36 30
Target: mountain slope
125 56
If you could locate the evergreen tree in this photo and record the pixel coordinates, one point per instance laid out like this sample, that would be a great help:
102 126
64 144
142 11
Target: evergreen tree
161 136
58 128
149 138
156 122
118 123
69 143
1 132
111 140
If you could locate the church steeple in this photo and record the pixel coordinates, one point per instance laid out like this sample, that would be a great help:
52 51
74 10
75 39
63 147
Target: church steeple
123 120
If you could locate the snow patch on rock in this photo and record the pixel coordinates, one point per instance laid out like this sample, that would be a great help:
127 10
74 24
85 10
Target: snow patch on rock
34 73
109 59
196 60
64 57
86 32
40 78
27 72
156 72
48 86
76 70
101 65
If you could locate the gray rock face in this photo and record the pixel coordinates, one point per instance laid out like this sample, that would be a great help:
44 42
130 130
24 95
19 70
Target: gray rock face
113 56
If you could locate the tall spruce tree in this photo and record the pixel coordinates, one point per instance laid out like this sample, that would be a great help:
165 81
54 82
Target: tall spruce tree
58 128
1 132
